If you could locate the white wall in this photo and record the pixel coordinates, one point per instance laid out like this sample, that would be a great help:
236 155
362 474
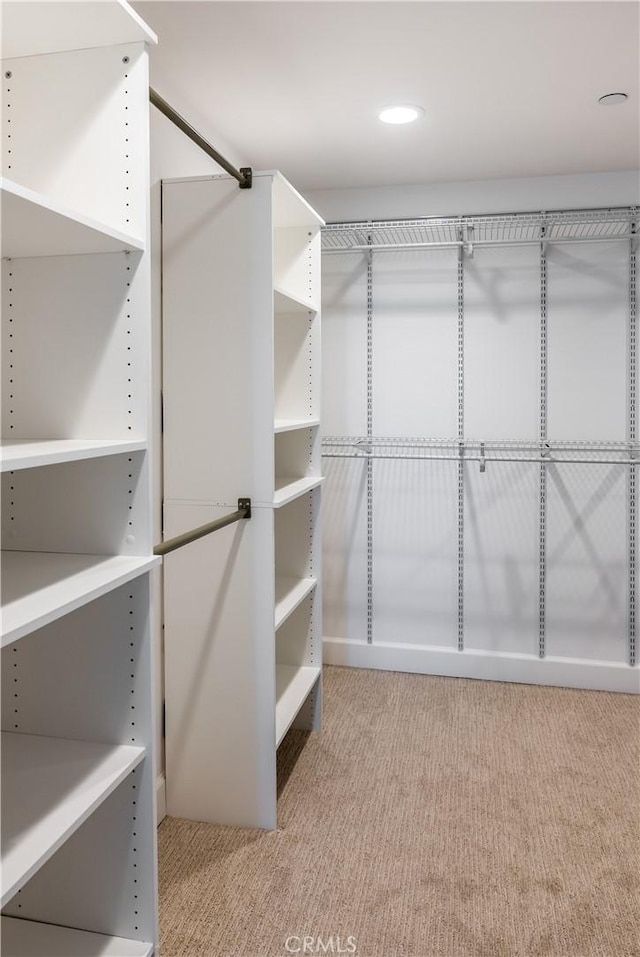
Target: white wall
172 155
414 298
469 198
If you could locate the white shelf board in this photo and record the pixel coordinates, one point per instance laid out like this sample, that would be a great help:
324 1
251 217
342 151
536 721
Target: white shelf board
29 29
50 786
33 225
39 587
290 592
32 453
288 302
292 209
293 685
288 489
291 425
29 938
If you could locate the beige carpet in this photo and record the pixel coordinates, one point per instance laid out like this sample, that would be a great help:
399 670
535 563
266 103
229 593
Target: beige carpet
432 817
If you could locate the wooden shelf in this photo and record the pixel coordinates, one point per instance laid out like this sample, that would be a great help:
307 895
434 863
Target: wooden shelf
291 425
33 225
29 938
33 28
290 208
288 302
293 685
291 592
32 453
39 587
288 489
50 787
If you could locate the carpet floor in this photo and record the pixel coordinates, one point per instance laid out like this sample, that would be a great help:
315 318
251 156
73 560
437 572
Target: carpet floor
432 817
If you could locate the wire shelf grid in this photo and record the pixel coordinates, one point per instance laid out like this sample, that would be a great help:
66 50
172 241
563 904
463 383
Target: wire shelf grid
518 228
470 450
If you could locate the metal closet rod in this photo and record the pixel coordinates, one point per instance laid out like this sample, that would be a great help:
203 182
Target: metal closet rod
540 460
484 446
472 243
244 175
244 511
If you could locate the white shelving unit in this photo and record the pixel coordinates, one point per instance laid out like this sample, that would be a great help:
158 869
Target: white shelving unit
241 278
78 796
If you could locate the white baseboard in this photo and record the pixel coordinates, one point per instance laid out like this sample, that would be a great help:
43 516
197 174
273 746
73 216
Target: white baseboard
161 797
489 665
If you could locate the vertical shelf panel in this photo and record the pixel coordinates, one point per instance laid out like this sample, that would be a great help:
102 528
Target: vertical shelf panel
242 333
217 306
219 655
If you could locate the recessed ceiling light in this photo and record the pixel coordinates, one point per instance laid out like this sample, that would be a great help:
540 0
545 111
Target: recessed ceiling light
400 114
610 98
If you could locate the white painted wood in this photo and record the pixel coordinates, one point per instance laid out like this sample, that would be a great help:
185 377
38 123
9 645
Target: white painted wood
161 798
297 454
28 938
79 815
287 302
290 208
217 329
290 425
295 277
27 454
296 345
293 685
53 508
90 157
49 787
33 225
108 637
219 667
39 587
241 395
120 904
75 365
296 538
290 592
288 489
45 27
294 637
488 665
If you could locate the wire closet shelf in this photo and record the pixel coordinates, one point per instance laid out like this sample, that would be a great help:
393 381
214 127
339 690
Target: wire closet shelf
483 452
468 232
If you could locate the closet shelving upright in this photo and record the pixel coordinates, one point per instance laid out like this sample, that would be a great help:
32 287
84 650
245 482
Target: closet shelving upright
78 797
463 235
241 300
